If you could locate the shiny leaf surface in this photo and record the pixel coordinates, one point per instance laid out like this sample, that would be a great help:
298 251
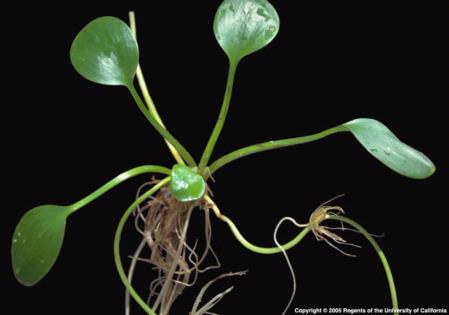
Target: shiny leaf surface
242 27
186 185
387 148
37 241
105 52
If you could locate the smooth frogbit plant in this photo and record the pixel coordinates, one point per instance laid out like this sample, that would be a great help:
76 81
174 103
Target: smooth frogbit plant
105 51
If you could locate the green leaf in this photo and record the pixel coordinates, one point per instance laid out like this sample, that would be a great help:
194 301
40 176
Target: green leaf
242 27
105 51
37 242
387 148
186 185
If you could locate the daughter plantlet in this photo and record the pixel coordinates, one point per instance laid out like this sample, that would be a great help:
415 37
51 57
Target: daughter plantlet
323 233
106 52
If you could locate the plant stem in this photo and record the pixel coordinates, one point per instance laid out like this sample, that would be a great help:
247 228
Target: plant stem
380 253
264 250
221 117
116 181
146 94
270 145
250 246
300 236
162 131
118 234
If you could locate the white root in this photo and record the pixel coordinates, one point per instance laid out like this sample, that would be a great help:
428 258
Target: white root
290 267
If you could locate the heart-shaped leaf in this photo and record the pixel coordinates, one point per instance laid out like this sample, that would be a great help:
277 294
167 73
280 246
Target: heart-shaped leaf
37 242
105 51
242 27
186 185
387 148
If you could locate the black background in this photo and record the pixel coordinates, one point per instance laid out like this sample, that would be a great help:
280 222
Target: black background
331 62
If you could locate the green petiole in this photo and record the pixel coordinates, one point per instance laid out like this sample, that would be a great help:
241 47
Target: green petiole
118 234
116 181
221 117
270 145
146 93
374 136
162 131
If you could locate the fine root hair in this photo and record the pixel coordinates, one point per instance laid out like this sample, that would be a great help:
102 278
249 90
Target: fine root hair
163 222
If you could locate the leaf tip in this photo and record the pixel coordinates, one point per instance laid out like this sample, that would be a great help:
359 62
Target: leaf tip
431 169
383 144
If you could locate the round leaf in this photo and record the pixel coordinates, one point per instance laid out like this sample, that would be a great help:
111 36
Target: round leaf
242 27
37 242
105 51
387 148
186 185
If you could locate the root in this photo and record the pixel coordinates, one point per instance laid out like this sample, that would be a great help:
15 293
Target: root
290 267
163 223
322 233
212 302
131 274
